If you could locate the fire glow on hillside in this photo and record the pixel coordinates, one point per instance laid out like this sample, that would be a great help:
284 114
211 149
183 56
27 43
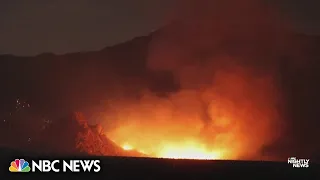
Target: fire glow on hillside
227 104
233 118
190 151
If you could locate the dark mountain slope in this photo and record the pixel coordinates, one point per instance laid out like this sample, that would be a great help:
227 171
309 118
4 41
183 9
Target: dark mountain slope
76 78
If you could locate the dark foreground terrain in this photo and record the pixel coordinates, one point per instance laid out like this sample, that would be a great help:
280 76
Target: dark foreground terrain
151 168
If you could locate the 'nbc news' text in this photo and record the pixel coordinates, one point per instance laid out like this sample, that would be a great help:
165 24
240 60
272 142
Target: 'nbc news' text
66 166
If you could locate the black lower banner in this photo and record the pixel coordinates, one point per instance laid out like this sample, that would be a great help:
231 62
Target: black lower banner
145 168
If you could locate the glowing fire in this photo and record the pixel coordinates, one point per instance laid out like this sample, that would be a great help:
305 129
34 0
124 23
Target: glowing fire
127 147
235 121
226 104
190 150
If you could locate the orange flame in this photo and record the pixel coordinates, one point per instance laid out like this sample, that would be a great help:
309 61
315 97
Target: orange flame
237 120
127 147
226 107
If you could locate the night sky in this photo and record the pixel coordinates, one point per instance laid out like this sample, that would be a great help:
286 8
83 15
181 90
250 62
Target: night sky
36 26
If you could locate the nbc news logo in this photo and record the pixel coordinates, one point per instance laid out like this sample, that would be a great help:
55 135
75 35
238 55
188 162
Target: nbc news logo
21 165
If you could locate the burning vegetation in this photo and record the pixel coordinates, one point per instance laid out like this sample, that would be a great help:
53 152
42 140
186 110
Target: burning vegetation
232 118
225 101
221 56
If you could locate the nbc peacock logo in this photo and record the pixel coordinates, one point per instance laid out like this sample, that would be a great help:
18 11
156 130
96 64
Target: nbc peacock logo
19 165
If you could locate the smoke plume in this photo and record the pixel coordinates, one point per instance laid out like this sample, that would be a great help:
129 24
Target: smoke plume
223 54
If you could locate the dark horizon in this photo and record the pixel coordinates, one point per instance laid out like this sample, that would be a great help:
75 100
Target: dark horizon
61 27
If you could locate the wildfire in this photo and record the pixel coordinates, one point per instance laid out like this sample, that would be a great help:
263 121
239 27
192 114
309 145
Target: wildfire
230 122
218 97
127 147
191 150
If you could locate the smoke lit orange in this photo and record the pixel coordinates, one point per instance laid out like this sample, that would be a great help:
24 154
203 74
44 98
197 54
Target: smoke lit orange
227 120
226 107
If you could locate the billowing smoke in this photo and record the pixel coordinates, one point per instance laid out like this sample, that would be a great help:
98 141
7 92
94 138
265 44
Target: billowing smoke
223 54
